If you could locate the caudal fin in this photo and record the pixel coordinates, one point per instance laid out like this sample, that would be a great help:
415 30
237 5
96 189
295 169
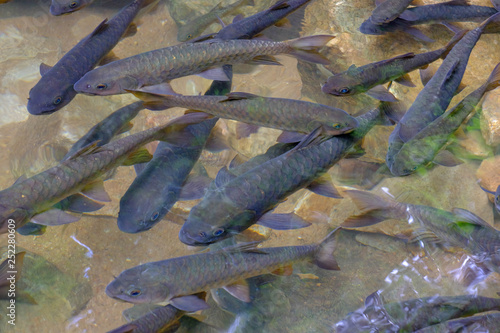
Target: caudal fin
306 48
324 256
374 209
494 79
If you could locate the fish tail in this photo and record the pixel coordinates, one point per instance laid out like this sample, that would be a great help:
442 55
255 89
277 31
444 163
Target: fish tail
494 79
374 209
306 48
458 36
492 19
176 131
324 255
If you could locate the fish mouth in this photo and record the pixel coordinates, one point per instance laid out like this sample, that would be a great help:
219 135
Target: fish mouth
187 239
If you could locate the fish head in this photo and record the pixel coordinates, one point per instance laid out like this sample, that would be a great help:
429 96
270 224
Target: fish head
101 81
368 28
11 217
340 125
411 156
209 225
341 84
187 32
139 285
49 95
60 7
140 212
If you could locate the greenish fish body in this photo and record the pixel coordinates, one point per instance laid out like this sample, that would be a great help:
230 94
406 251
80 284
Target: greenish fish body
280 113
413 314
423 147
104 131
436 95
239 202
29 199
146 70
172 279
488 323
195 27
60 7
459 228
361 79
55 88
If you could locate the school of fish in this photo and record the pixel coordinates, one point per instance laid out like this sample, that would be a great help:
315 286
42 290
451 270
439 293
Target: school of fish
315 137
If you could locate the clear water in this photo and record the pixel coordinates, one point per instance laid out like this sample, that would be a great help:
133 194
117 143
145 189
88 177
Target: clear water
68 268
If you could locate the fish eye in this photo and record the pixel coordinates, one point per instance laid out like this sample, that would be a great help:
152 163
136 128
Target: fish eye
155 216
337 126
202 234
73 4
134 292
344 90
101 86
218 232
189 36
57 100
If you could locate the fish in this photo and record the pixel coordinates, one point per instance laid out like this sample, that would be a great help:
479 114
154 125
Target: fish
487 323
102 133
161 319
165 179
60 7
10 273
195 27
426 146
458 228
436 95
164 281
413 314
388 10
32 199
55 88
369 78
445 12
249 27
239 202
279 113
496 195
151 71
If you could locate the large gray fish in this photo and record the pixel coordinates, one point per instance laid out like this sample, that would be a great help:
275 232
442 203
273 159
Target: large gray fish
195 27
176 280
459 228
60 7
239 202
487 323
436 95
117 122
146 71
33 198
425 147
161 319
280 113
413 314
452 11
388 10
248 27
55 88
158 187
368 78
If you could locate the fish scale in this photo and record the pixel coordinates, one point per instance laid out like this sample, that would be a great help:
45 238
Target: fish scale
162 65
167 279
242 201
40 192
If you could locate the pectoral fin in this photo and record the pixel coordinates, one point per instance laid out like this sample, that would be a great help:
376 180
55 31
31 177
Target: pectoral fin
54 217
194 187
324 186
282 221
240 290
405 80
189 303
381 93
95 191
